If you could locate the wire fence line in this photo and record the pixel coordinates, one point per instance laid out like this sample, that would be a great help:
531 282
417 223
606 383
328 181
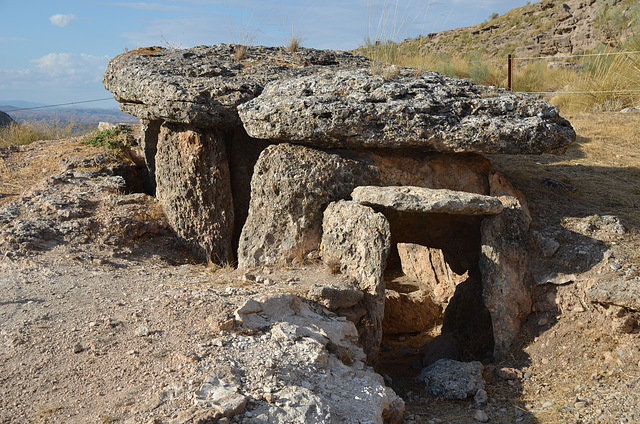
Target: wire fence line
536 58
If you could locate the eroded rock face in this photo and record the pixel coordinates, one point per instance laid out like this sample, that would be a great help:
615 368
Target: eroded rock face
430 112
358 239
290 189
194 188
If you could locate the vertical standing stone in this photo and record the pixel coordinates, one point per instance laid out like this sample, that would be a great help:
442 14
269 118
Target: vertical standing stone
149 142
503 264
359 239
193 185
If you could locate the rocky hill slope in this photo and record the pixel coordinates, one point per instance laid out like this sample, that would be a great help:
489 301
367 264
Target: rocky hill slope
548 27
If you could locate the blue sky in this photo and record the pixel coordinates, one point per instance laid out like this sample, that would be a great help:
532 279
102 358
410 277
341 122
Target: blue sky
56 51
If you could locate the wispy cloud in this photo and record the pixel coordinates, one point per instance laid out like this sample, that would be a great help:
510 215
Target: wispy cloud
62 20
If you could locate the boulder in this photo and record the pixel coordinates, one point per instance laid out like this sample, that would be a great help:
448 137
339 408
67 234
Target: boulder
452 380
358 239
427 111
426 200
291 187
503 264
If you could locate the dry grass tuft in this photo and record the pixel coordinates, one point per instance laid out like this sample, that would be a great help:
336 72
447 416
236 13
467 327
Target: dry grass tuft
294 43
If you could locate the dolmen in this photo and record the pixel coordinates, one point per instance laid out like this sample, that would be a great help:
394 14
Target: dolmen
262 156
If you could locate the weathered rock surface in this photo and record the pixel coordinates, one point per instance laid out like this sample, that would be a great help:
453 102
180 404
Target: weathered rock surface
290 188
322 364
503 263
426 200
193 185
430 112
451 380
78 207
358 239
202 86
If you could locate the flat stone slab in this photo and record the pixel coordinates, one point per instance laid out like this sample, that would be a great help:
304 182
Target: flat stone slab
203 85
426 200
427 111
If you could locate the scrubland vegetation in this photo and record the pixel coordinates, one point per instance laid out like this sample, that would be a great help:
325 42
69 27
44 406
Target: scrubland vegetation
27 132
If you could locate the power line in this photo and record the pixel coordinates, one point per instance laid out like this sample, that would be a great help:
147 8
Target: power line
61 104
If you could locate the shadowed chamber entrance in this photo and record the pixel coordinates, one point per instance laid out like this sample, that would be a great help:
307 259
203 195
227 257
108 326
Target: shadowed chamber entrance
433 305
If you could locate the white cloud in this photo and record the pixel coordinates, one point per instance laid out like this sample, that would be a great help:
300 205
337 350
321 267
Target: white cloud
62 20
68 66
57 78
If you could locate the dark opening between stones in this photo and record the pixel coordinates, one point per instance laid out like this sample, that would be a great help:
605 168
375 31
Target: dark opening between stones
433 307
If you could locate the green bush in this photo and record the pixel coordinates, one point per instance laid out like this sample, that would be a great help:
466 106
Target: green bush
115 139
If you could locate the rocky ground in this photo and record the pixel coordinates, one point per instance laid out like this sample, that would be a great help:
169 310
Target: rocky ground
104 318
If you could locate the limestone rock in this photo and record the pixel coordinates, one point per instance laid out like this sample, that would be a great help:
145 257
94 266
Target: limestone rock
319 357
290 188
222 396
503 263
77 207
450 380
454 171
265 311
430 112
359 239
428 267
426 200
202 86
620 292
194 188
409 312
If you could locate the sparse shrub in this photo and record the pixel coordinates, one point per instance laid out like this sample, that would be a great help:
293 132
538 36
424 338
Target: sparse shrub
114 138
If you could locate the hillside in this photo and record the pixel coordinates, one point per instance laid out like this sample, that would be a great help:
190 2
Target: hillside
547 28
5 119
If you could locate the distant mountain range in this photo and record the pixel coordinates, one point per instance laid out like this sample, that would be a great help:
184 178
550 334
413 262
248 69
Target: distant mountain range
23 112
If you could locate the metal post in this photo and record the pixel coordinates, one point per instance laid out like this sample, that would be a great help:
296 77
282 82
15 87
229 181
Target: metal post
510 73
